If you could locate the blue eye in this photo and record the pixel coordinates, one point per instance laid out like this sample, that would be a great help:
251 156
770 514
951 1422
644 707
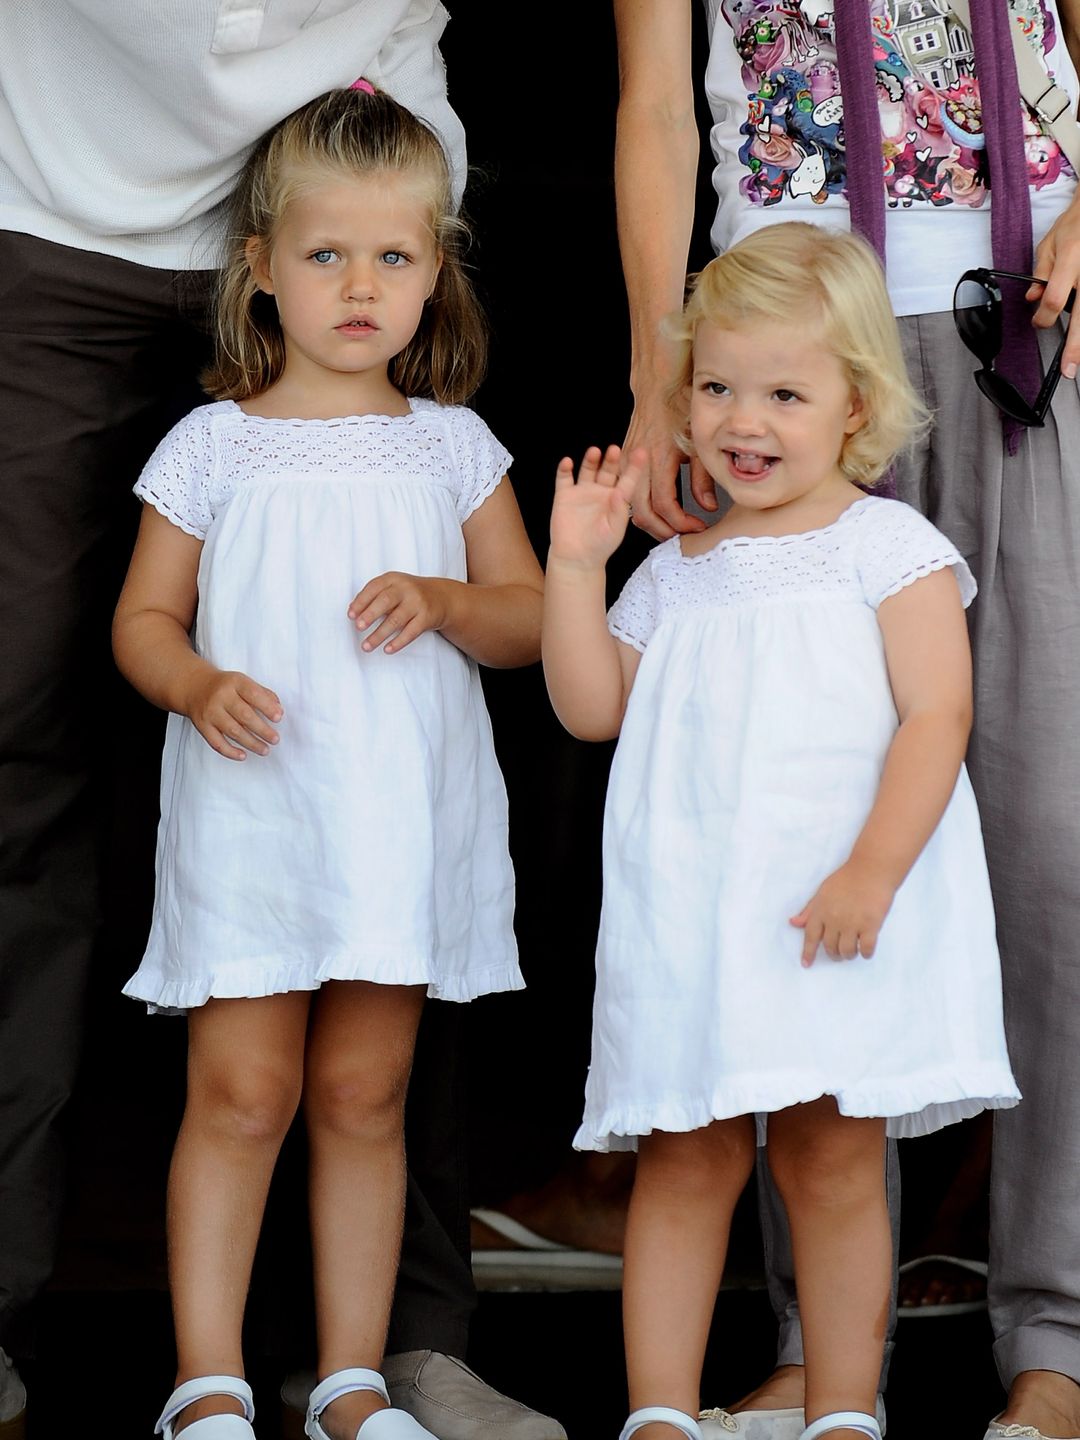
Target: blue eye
323 257
395 259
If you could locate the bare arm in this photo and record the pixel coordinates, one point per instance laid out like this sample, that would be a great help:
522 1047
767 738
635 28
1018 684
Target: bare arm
929 660
494 616
588 672
656 152
152 645
1057 258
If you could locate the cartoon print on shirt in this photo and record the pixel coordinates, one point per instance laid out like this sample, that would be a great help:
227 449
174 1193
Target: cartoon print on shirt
793 144
928 98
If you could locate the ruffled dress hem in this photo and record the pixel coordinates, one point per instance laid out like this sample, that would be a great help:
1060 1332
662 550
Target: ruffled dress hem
176 997
915 1106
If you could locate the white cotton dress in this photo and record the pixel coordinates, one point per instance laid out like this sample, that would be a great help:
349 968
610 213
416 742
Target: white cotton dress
748 762
371 842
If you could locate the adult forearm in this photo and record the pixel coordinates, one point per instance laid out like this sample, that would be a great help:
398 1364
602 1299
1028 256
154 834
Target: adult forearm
655 174
1069 15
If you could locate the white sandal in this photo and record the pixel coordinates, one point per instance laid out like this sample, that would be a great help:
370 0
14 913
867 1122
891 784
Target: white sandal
382 1425
213 1427
843 1420
678 1419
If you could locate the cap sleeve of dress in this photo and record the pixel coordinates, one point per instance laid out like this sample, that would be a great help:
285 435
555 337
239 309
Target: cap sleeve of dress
898 546
176 478
480 461
632 619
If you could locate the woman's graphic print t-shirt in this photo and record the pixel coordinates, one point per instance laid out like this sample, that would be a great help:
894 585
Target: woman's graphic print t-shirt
774 90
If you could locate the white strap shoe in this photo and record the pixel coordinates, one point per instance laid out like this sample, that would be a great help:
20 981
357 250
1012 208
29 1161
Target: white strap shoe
843 1420
382 1425
678 1419
213 1427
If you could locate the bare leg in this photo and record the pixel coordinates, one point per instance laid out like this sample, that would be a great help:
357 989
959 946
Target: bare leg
1046 1399
684 1196
245 1067
359 1056
830 1170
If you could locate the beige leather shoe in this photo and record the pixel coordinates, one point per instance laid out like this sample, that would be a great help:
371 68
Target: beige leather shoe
455 1404
443 1395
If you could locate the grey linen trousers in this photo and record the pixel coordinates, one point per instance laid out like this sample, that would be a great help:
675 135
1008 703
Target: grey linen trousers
1016 520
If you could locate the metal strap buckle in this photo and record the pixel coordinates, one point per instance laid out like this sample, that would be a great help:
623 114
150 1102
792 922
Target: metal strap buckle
1048 95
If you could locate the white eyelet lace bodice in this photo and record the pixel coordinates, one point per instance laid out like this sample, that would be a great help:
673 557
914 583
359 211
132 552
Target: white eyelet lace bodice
873 550
219 449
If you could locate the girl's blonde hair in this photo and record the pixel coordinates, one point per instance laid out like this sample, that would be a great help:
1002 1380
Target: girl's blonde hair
794 271
354 133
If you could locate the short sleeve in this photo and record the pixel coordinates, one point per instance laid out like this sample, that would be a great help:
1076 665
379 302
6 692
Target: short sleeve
898 546
632 619
480 461
176 478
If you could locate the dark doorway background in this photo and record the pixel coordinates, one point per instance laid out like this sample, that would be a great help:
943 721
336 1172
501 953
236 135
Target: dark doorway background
541 131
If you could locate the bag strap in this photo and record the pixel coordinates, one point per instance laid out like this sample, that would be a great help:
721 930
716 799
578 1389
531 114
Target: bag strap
1049 101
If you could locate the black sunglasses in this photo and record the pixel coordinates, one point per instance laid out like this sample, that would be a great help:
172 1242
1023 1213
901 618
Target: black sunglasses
977 311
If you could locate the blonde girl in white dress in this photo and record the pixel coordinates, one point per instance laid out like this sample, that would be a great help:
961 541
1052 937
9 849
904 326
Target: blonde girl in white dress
797 922
326 554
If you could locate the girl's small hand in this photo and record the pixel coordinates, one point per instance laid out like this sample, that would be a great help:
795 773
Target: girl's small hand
845 915
232 713
407 605
589 518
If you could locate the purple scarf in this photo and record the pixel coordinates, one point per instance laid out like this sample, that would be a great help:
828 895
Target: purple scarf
1010 212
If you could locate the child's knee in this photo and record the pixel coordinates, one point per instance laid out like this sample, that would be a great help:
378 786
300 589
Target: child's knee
718 1157
830 1166
355 1103
254 1102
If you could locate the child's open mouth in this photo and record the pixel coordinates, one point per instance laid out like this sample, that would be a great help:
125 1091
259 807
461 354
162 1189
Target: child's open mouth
748 465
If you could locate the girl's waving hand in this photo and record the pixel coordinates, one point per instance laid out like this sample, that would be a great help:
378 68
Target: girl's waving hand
589 517
589 673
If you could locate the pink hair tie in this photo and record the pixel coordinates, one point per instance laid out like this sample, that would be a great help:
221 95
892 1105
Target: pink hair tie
364 85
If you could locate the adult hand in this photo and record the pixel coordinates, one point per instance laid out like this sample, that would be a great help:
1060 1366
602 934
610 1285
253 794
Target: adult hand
656 505
1058 259
232 712
407 606
845 915
589 517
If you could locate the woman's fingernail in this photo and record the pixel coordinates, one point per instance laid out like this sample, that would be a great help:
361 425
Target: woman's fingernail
1069 371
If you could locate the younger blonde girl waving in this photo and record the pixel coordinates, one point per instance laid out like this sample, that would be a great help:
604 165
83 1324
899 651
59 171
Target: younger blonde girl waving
797 921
